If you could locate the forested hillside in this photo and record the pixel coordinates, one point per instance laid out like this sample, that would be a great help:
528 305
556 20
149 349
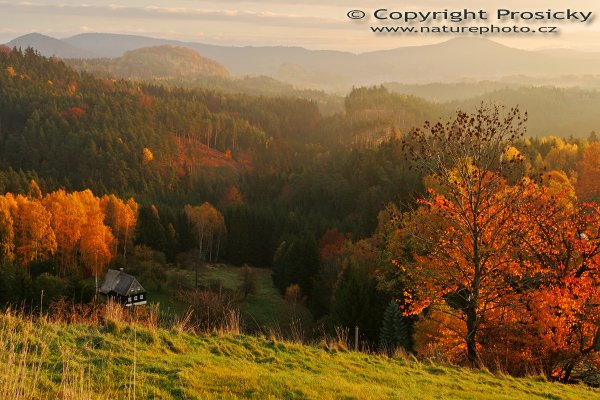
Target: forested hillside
183 67
158 62
440 238
553 111
67 125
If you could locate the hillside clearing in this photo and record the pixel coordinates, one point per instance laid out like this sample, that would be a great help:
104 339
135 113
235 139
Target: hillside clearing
266 309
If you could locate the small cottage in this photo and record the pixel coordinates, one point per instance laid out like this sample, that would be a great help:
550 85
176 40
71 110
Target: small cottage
123 288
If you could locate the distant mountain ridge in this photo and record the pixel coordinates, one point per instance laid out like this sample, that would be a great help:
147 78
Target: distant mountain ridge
49 46
454 59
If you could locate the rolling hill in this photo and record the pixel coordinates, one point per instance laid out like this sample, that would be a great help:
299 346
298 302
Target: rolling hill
156 62
454 59
49 46
45 359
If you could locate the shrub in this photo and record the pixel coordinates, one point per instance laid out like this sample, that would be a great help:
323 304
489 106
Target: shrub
48 288
210 310
249 283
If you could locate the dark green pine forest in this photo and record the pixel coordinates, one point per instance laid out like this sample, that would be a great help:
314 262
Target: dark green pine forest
299 173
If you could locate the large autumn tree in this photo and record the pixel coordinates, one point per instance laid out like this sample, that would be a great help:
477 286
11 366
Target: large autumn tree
96 240
121 217
461 236
562 244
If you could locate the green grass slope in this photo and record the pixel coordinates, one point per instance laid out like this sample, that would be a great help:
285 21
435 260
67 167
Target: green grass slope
264 310
49 360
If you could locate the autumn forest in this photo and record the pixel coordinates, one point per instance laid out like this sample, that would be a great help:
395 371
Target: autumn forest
448 233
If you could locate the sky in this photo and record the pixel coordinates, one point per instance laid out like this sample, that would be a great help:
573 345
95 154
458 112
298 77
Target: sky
314 24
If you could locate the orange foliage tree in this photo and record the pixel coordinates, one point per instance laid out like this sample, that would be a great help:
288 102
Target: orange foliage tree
588 174
34 237
462 234
8 210
563 245
209 227
121 217
518 264
97 239
232 197
74 228
331 244
68 219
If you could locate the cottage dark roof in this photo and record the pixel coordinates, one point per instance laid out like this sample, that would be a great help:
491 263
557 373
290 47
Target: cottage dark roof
119 282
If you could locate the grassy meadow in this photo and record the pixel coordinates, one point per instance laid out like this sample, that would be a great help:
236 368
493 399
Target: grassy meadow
111 356
263 310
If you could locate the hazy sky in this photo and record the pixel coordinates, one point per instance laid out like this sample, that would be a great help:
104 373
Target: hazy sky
317 24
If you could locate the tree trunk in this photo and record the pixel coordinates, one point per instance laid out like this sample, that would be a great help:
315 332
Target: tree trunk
125 243
200 245
567 372
471 337
210 246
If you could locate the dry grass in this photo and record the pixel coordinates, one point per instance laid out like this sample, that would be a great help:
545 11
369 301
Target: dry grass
125 354
24 358
21 360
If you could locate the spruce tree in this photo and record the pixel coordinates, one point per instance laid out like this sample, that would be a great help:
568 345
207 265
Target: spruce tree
396 330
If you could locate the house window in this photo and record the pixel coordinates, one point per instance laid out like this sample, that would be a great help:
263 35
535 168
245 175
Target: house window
135 298
129 299
141 296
